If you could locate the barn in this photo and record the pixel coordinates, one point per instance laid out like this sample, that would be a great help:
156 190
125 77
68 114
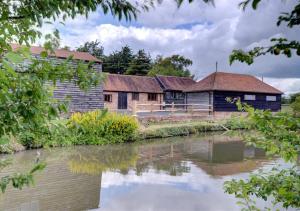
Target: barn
216 87
121 92
173 88
80 101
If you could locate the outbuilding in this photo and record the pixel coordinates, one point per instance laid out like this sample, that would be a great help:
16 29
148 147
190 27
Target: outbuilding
218 86
122 91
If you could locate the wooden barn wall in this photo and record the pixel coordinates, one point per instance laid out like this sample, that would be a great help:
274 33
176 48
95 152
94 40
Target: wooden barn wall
220 103
198 98
168 98
79 101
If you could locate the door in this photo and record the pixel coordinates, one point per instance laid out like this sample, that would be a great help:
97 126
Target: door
122 100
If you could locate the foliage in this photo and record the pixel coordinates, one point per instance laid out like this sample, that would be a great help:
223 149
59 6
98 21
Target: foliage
282 185
294 96
278 134
175 65
277 46
101 127
19 180
93 47
118 61
22 18
296 106
140 64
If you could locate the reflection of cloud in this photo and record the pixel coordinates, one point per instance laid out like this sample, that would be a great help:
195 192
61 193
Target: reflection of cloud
196 179
158 191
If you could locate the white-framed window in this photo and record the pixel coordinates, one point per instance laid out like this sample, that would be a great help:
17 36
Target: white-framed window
249 97
271 98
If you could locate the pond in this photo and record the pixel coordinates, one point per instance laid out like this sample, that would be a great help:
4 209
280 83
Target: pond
182 173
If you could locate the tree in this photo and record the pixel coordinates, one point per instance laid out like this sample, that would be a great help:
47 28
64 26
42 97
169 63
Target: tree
26 104
140 64
119 61
94 48
175 65
277 134
295 105
294 96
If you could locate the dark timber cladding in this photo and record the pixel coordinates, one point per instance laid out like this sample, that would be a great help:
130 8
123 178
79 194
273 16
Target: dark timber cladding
260 102
173 87
80 101
247 88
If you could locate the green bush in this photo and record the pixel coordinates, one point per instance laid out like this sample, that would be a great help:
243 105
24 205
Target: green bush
102 127
296 106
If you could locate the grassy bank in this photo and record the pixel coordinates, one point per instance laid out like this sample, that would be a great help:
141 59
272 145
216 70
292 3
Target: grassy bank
186 128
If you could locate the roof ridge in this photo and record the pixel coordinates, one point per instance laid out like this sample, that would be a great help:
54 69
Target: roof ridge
123 75
175 76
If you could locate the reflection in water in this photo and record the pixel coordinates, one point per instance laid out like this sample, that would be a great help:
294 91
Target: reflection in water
184 173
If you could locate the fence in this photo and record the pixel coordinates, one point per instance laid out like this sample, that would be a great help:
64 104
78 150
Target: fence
170 108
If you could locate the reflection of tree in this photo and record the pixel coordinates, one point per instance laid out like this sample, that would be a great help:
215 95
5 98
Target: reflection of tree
96 160
172 167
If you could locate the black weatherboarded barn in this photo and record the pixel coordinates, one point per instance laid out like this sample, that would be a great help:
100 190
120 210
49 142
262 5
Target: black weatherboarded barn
216 87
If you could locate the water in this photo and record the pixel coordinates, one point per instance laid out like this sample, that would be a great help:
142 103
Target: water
182 173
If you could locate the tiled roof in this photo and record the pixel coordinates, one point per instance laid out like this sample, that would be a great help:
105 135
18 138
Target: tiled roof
175 83
130 83
222 81
60 53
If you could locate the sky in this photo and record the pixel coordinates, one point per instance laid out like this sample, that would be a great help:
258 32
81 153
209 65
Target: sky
202 32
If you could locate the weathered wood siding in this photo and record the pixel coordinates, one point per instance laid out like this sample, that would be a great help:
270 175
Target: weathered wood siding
220 103
198 98
169 97
79 101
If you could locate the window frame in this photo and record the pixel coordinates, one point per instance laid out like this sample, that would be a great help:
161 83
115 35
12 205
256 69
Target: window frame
109 98
135 96
273 98
248 97
152 97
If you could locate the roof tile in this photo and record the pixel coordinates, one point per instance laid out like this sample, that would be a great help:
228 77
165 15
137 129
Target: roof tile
130 83
221 81
61 53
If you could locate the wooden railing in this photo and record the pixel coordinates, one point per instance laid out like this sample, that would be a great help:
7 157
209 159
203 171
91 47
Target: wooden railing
172 108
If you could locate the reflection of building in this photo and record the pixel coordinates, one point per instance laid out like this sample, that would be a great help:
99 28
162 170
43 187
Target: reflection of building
56 189
217 155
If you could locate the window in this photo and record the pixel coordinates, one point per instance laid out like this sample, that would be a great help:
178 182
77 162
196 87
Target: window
107 98
152 97
176 95
271 98
135 96
249 97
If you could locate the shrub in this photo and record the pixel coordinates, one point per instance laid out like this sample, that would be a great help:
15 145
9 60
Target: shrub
101 127
296 106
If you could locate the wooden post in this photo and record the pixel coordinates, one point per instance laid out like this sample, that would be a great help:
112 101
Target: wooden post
134 109
173 107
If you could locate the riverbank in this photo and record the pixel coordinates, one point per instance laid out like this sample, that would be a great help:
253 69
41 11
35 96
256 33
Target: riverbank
166 130
98 128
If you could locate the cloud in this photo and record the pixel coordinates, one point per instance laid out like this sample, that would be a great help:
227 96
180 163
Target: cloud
199 31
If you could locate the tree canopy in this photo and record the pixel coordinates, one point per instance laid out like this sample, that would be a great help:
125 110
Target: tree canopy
140 64
175 65
94 48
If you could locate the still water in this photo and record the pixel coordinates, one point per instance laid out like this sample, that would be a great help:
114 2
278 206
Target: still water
182 173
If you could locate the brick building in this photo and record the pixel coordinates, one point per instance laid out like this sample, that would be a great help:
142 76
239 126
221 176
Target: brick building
121 91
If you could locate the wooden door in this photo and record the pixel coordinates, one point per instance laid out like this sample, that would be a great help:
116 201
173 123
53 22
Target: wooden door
122 100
